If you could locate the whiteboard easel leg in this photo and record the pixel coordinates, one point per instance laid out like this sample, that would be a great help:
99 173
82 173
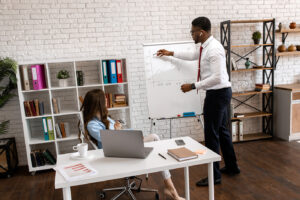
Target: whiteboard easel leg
170 128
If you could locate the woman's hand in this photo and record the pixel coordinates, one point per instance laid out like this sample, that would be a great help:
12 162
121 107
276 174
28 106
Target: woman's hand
118 125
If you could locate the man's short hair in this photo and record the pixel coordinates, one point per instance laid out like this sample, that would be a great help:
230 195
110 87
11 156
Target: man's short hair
203 23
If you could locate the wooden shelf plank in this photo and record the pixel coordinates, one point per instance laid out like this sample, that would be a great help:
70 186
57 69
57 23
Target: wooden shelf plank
296 30
254 136
252 115
250 21
45 167
244 93
118 108
250 45
288 53
252 69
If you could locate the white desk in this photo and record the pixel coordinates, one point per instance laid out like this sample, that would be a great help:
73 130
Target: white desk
115 168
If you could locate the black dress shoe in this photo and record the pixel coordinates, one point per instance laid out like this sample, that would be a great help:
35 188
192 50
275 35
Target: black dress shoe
204 182
227 171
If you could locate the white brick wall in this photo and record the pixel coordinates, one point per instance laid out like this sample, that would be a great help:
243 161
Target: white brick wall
44 30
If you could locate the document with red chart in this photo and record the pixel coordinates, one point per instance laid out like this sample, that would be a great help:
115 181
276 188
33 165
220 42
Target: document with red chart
76 171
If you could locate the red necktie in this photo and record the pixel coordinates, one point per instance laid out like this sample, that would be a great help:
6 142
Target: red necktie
198 77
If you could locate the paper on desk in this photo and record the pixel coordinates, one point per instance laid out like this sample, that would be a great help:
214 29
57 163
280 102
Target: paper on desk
200 151
76 171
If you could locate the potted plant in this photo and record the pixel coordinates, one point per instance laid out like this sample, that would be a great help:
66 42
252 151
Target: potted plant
62 76
8 82
256 37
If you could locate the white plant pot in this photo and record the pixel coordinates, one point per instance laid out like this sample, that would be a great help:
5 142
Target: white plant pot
63 82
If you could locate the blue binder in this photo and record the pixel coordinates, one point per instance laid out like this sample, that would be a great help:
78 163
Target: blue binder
104 71
45 128
112 71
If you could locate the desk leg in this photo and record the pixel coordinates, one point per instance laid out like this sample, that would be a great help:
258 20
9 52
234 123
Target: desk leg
211 181
67 193
187 183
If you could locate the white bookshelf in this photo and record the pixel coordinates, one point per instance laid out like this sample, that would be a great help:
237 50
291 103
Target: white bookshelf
69 103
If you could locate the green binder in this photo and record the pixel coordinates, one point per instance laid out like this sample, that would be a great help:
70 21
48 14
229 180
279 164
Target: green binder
50 128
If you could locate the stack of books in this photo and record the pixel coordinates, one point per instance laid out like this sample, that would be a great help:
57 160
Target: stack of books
33 108
120 100
56 105
109 100
42 157
182 154
262 87
62 129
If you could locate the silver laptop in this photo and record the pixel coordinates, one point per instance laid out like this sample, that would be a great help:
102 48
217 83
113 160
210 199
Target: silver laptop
124 144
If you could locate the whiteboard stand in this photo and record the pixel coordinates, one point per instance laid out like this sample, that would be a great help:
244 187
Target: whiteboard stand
152 123
201 120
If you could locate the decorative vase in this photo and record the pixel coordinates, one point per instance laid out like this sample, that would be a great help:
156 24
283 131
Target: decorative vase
292 48
256 41
63 82
293 25
247 63
281 48
280 26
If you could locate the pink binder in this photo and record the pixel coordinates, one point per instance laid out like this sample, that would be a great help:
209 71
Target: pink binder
38 77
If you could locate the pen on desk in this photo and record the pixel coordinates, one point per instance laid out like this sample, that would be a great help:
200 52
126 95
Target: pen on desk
162 156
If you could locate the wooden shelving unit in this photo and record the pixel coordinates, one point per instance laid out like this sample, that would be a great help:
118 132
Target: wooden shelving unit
245 93
250 45
288 53
252 69
267 69
296 30
253 115
285 32
70 105
250 21
254 136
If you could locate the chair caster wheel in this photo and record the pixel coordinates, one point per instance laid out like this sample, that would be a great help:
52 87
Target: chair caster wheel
156 196
133 185
102 195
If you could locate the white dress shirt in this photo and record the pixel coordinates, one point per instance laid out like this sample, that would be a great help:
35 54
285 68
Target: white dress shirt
213 70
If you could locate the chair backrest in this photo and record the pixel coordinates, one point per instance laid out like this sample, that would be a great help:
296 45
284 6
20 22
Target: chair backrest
82 130
95 146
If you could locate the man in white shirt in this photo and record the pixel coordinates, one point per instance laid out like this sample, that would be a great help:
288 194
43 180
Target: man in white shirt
212 76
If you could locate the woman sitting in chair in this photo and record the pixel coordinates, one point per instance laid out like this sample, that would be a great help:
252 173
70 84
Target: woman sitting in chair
96 119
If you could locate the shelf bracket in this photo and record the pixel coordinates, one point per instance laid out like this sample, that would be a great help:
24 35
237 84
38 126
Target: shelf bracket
284 36
244 102
277 59
244 56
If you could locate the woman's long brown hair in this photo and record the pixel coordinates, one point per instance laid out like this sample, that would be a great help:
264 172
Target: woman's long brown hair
94 103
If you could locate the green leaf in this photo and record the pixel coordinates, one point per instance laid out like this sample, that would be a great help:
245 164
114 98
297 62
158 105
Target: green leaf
8 68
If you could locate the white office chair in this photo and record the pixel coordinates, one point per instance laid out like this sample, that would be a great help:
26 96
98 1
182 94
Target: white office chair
132 183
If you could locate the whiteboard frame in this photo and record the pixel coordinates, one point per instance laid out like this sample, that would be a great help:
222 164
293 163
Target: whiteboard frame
171 43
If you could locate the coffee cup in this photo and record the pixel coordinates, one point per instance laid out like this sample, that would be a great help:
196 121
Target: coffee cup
81 148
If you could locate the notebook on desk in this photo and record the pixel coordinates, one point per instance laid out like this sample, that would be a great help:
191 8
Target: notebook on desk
124 144
182 154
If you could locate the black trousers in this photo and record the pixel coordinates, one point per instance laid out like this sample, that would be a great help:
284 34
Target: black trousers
216 130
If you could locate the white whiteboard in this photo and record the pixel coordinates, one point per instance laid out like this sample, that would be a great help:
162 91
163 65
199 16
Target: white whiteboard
164 76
